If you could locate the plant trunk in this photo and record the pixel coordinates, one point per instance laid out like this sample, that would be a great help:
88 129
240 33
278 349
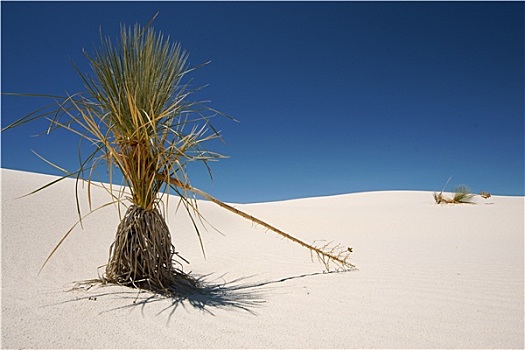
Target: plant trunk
142 255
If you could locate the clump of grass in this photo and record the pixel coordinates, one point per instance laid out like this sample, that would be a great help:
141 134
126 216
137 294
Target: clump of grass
137 116
462 195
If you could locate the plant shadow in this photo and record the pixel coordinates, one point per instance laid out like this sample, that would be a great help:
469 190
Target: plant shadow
208 295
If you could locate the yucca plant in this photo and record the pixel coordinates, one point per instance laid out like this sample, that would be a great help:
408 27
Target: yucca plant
462 194
138 118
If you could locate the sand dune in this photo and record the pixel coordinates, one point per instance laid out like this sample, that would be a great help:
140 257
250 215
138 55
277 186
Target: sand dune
429 276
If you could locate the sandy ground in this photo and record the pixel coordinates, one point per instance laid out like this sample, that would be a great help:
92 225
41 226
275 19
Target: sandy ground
429 276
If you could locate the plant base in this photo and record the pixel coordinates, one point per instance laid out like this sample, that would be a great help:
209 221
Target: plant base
142 255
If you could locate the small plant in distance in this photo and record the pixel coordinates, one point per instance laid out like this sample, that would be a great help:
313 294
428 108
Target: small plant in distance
485 195
462 194
138 118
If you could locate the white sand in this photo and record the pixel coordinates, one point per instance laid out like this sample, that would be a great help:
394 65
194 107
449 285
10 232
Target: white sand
430 276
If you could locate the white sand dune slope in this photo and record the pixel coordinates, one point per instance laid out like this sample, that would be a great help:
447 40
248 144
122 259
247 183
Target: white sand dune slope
429 276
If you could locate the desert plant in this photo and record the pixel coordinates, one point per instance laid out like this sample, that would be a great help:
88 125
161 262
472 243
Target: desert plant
137 116
485 195
438 197
462 194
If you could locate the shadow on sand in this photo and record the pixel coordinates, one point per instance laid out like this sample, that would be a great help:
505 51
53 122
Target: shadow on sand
208 296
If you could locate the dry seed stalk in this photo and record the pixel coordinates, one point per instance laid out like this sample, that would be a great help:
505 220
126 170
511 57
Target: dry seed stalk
325 254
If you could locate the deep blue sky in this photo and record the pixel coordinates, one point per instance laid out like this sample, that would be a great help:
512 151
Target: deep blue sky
331 97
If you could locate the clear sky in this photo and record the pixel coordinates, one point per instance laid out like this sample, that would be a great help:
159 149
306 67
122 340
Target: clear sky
332 97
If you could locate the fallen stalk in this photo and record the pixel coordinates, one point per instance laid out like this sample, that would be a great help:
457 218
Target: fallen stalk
324 256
